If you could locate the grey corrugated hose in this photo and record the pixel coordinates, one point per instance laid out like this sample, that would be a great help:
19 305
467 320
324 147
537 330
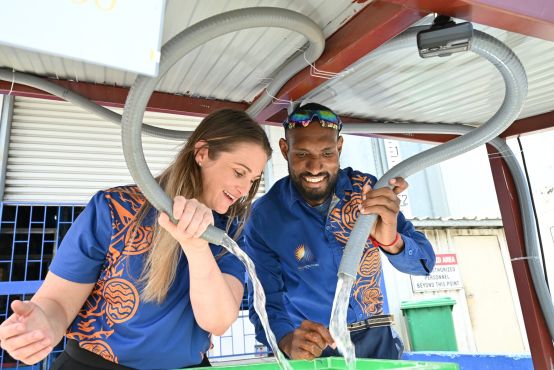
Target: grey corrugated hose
43 84
533 255
515 80
179 46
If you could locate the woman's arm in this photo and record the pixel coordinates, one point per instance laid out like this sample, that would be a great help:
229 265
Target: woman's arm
215 297
36 326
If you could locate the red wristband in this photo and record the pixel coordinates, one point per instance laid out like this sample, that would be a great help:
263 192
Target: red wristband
377 243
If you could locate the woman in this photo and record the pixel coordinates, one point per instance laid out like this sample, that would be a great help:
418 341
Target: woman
120 287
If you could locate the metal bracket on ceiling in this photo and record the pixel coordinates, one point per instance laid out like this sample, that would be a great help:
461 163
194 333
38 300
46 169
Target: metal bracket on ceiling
444 38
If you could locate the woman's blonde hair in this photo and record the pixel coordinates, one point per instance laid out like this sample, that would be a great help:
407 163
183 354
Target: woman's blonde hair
221 131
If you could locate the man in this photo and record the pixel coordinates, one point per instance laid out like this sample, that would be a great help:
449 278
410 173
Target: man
296 237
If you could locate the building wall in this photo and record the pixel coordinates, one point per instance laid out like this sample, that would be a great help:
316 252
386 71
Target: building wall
487 314
278 165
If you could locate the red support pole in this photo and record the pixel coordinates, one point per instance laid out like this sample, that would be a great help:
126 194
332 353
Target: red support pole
538 335
114 96
534 124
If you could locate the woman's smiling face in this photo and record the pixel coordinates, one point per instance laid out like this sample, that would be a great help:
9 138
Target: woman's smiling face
229 176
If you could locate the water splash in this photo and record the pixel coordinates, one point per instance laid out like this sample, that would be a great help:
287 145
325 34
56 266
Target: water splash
259 299
338 326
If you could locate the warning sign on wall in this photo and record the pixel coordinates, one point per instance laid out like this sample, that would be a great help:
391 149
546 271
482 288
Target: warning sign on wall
445 276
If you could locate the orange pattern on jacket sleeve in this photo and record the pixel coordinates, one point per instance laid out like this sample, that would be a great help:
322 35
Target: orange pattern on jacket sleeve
366 290
114 298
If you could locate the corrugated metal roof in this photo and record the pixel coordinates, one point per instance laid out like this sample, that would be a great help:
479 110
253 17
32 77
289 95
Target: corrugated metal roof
231 67
399 86
463 88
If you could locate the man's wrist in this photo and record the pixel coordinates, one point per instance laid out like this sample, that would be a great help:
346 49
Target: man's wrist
395 247
389 244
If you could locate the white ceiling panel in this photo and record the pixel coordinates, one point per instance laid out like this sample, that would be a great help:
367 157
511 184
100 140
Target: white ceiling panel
398 86
462 88
231 67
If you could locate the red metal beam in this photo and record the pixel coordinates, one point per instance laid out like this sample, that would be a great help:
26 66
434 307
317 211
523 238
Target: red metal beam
425 138
375 24
540 342
533 124
115 97
532 18
177 104
168 103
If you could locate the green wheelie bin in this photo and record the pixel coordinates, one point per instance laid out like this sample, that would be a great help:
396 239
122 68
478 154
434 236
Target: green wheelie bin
430 325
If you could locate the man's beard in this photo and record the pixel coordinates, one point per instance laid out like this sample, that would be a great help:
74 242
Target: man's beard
316 196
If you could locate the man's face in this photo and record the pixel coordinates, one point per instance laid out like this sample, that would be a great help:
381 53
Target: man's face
312 154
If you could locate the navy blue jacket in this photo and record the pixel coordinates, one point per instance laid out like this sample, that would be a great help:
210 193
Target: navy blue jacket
297 252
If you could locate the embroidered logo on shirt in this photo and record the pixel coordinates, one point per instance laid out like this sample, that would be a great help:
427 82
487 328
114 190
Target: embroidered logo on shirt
305 257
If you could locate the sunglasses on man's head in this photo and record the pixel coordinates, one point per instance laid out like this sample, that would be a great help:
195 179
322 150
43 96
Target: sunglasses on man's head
303 118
